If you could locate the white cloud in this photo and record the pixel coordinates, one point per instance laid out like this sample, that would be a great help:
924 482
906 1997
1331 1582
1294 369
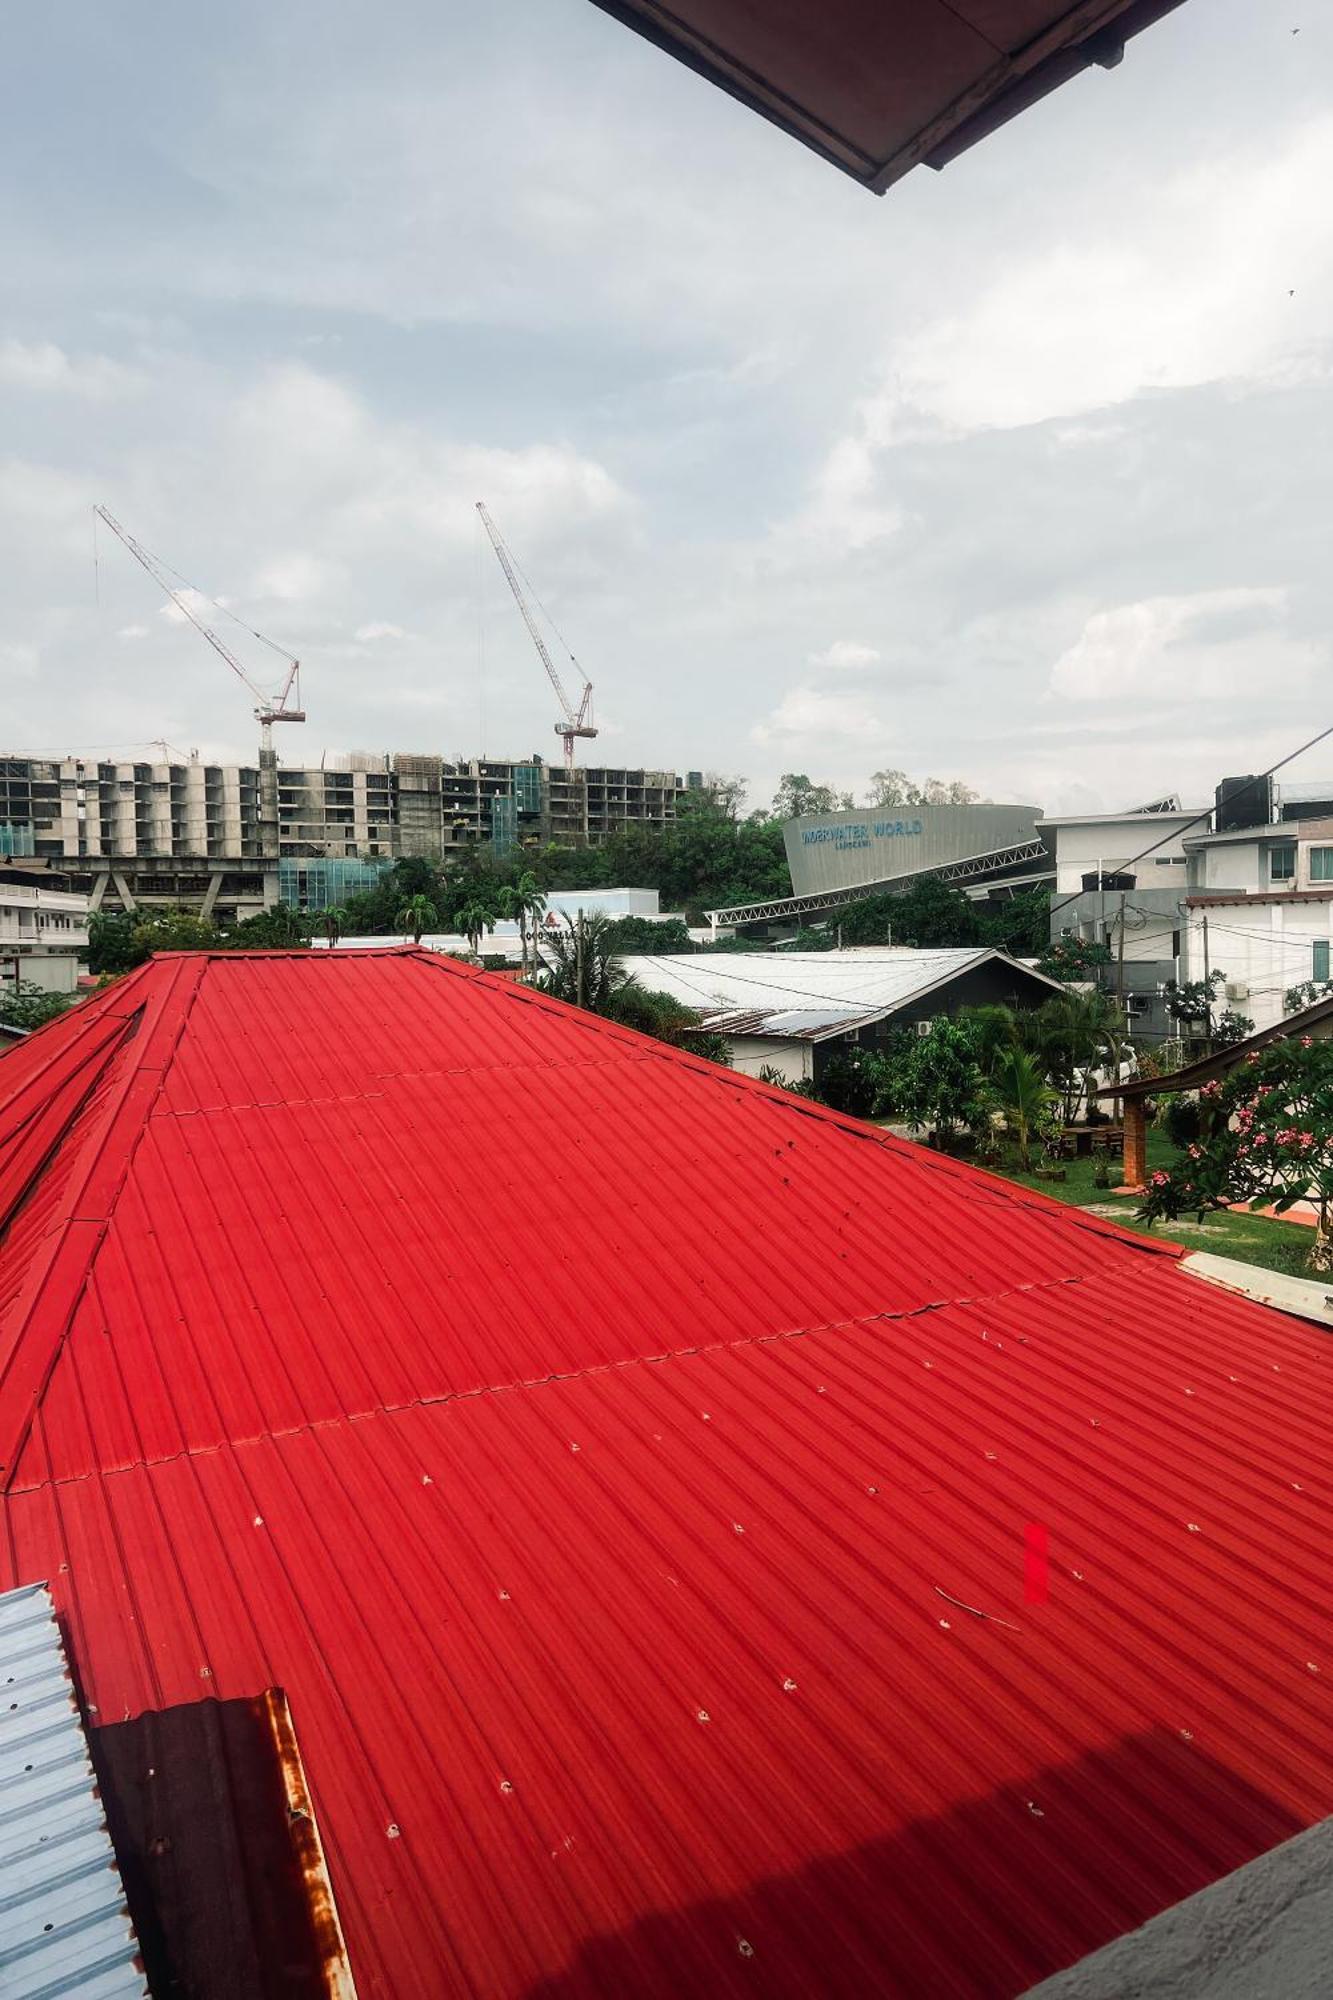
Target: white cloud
292 578
812 717
379 630
41 367
189 602
132 632
846 655
1220 273
1214 643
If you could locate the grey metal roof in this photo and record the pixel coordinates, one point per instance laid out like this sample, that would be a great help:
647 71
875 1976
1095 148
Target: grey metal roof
64 1925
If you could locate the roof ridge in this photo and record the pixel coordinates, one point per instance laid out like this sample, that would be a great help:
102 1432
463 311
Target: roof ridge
55 1282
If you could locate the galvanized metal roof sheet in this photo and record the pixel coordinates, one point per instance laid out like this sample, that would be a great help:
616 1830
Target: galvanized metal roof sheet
626 1469
64 1925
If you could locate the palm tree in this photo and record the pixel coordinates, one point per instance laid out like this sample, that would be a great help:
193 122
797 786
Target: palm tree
1069 1036
417 913
525 900
1023 1094
334 920
583 967
473 917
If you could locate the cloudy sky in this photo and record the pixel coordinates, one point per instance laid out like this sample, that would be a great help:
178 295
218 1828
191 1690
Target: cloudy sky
1022 474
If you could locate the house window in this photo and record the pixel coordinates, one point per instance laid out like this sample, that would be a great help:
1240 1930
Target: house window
1282 864
1321 864
1321 958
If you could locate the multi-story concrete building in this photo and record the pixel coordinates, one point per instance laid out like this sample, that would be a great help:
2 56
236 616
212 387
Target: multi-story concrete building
213 837
43 928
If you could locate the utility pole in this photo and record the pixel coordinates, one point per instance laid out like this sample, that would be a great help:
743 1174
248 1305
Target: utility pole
1207 979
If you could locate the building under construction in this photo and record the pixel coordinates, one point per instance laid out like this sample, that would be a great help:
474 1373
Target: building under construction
170 833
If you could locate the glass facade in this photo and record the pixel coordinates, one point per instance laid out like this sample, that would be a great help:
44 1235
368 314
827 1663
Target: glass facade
16 840
504 825
1321 864
528 788
325 884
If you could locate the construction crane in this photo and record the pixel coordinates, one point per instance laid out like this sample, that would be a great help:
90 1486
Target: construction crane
268 708
578 721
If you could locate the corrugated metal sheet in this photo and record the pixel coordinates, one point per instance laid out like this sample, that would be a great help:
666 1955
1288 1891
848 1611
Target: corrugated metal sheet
877 89
865 980
64 1926
625 1469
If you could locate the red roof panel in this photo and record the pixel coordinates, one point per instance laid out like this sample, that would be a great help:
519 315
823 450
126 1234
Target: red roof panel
624 1468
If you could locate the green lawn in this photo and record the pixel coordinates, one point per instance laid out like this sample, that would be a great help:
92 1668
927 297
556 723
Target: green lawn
1254 1239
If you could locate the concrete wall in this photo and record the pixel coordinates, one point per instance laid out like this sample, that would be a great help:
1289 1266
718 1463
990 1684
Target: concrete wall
1265 947
1082 845
1264 1932
840 850
751 1053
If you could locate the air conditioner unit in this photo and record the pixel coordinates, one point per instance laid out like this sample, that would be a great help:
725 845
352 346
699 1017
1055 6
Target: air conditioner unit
1138 1003
1238 992
924 1027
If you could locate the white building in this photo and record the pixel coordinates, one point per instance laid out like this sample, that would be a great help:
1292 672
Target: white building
790 1011
1252 902
43 931
1260 909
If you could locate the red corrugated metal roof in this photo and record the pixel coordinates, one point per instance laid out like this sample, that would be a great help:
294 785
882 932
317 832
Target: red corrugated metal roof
624 1468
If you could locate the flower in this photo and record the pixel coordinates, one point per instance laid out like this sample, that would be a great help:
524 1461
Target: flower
1195 1152
1307 1041
1159 1179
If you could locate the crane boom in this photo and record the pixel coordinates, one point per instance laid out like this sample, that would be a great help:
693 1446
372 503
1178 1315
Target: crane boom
268 710
578 721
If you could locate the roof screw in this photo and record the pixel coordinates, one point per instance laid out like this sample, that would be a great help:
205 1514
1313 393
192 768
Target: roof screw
1193 1527
945 1625
426 1479
1188 1735
872 1491
505 1786
745 1948
504 1597
704 1414
259 1520
703 1716
1035 1809
737 1528
1312 1665
392 1829
789 1686
573 1447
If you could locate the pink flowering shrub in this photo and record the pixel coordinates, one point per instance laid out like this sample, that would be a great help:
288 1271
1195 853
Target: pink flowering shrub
1267 1137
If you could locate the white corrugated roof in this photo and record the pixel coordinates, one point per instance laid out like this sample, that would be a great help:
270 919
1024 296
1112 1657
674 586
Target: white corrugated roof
862 981
64 1924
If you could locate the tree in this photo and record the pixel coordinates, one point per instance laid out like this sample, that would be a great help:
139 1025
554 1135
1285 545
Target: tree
895 788
994 1030
852 1081
930 913
279 929
666 1019
525 901
647 935
174 930
1070 1035
474 918
940 1082
113 945
1020 924
334 923
1191 1002
1268 1138
1022 1093
416 915
581 964
798 794
1073 959
28 1005
1297 998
